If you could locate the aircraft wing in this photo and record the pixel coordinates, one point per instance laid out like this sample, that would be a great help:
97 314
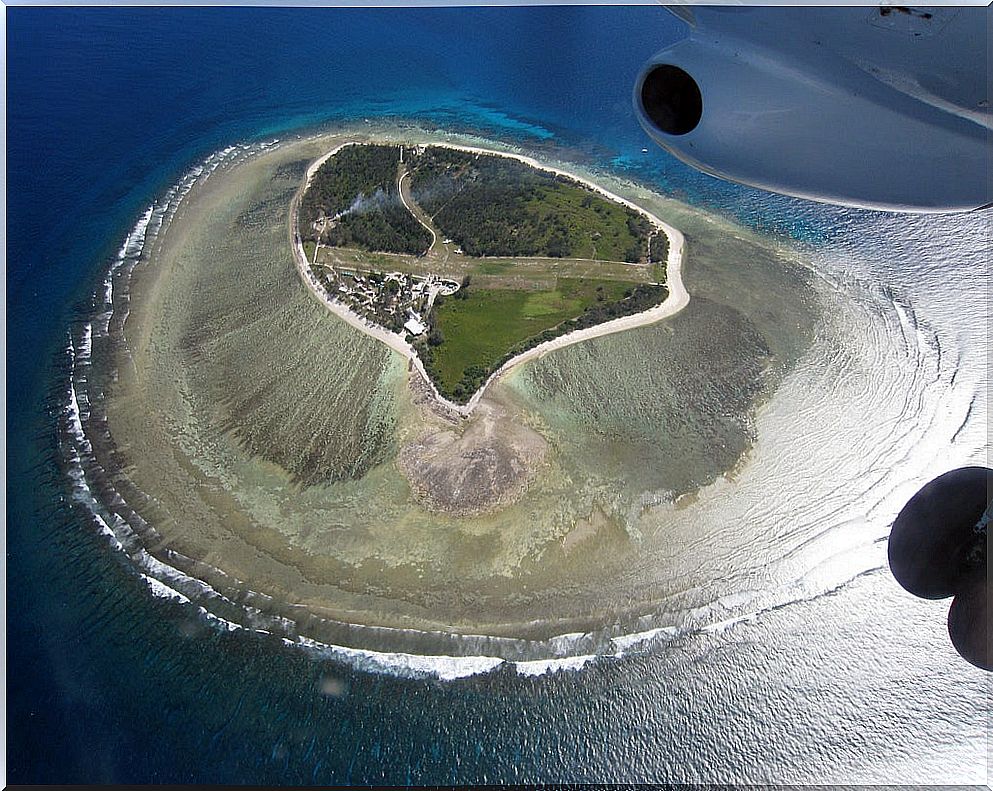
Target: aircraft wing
879 107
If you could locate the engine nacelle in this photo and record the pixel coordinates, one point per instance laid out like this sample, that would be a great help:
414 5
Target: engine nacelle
838 105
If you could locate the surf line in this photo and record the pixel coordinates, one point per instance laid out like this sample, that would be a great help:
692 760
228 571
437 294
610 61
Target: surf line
676 300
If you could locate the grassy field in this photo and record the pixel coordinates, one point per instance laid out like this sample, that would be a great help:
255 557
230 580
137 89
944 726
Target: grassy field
596 228
480 330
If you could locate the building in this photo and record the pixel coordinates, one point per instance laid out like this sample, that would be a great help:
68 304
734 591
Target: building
415 326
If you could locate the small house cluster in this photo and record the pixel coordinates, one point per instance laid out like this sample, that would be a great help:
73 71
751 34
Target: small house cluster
398 301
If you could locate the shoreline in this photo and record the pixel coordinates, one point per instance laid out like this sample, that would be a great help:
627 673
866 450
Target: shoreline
676 300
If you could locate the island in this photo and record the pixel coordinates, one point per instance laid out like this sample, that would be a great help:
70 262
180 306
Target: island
465 260
273 450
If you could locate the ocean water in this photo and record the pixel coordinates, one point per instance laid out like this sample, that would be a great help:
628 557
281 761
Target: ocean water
106 683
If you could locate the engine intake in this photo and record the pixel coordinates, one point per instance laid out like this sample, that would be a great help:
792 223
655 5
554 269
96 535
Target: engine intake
671 99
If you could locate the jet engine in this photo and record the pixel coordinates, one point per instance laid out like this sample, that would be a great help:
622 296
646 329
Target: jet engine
877 107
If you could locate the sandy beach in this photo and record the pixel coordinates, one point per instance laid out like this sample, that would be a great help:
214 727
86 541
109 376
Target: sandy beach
676 300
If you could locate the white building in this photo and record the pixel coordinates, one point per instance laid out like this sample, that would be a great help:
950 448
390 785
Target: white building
415 327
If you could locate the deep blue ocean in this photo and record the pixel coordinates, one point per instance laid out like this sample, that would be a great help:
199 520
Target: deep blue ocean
106 108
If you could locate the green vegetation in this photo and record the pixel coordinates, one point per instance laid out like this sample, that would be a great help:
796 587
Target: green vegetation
495 267
380 223
658 247
478 333
353 171
353 201
496 206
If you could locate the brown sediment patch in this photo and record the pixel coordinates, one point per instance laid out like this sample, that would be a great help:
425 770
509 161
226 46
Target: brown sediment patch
468 469
585 529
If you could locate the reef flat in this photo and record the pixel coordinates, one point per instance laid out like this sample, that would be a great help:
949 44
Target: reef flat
281 451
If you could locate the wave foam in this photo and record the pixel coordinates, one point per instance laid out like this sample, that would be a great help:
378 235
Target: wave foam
445 668
541 667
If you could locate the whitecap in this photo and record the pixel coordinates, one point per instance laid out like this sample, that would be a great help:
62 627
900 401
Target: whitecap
541 667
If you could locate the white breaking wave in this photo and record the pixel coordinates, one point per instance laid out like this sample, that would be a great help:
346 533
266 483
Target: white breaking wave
446 668
541 667
160 589
626 642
